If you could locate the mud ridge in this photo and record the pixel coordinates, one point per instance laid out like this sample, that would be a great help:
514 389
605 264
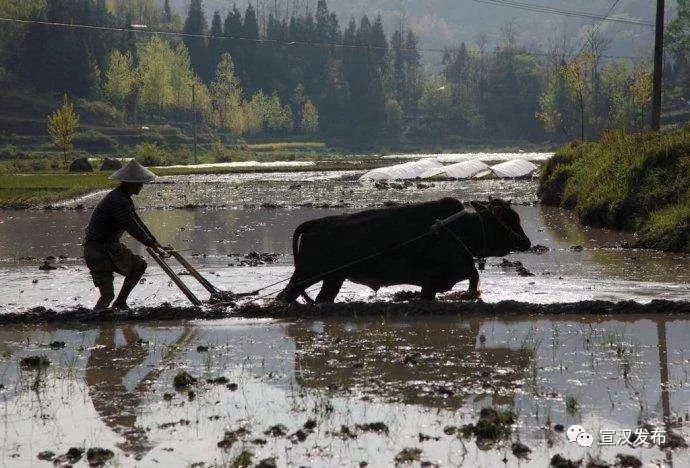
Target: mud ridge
166 312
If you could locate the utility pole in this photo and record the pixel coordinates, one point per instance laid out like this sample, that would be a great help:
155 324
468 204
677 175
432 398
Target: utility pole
196 159
658 65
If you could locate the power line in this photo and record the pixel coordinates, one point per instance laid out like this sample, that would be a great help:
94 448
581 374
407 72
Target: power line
562 12
276 42
597 27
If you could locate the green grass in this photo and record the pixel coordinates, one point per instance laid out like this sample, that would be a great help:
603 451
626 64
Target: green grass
20 191
35 189
288 145
627 181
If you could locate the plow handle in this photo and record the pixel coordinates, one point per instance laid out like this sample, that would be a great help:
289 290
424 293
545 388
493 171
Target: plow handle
176 279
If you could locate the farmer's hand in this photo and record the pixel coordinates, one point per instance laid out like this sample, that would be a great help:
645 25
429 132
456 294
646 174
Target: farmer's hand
160 250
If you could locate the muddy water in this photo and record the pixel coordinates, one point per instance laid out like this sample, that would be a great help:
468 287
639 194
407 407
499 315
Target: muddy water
111 386
107 387
217 220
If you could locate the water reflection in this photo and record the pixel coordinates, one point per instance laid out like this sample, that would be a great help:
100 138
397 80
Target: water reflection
118 381
433 363
106 386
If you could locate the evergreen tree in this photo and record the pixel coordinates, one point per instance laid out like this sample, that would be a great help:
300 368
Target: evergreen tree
215 43
412 73
678 39
251 63
232 29
61 59
197 47
128 42
365 76
167 12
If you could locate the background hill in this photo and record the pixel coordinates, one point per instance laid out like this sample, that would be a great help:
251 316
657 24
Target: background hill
439 23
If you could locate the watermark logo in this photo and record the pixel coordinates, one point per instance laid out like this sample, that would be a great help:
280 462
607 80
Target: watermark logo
641 437
578 434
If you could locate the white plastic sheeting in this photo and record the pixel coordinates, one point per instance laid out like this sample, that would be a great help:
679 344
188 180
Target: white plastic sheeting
408 170
513 169
449 158
461 170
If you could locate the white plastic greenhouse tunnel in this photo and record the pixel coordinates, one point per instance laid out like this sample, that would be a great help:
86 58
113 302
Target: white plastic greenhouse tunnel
461 170
513 169
408 170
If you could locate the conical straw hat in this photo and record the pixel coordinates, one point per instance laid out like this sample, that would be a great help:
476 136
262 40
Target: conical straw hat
133 172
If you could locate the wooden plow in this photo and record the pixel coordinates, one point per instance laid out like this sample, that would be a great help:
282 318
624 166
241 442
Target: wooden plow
218 297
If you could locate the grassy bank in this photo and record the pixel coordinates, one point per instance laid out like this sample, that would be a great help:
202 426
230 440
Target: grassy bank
22 191
637 182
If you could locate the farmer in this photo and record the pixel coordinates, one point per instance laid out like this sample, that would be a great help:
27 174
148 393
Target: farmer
103 251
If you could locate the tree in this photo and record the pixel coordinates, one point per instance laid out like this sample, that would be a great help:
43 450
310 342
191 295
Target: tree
62 126
576 74
555 104
435 105
641 90
232 28
309 121
182 77
61 59
250 32
195 24
678 39
167 12
226 97
156 75
120 77
215 45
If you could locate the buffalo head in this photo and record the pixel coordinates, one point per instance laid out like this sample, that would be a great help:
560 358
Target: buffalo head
510 236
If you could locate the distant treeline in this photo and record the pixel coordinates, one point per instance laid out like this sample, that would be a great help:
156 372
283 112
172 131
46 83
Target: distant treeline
312 74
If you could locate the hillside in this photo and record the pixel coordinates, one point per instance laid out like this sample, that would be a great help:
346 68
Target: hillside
443 22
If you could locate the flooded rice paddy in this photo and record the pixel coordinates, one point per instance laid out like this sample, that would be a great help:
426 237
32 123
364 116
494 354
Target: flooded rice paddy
366 390
335 392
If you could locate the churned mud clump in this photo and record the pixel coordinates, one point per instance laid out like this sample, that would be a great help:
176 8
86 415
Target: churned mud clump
183 380
559 461
97 456
408 455
520 450
627 461
378 427
493 425
35 362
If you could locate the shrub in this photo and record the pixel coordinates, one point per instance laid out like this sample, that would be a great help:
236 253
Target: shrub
150 154
111 164
80 165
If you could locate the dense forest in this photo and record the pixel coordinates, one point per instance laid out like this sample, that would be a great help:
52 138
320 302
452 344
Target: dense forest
312 73
439 23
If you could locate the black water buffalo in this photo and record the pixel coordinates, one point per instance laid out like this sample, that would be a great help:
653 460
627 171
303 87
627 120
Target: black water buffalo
403 245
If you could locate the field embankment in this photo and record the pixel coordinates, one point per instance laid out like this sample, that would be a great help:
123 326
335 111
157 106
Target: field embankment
26 190
634 182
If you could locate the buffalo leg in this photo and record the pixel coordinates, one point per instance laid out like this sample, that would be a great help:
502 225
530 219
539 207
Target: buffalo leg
296 287
428 293
329 289
291 291
473 290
